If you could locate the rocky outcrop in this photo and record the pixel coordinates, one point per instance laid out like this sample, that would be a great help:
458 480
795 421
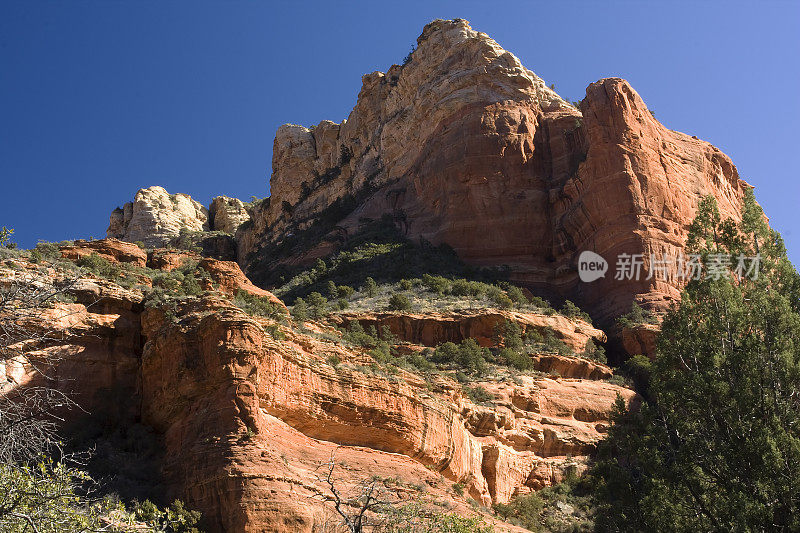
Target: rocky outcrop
112 250
640 339
227 214
571 367
155 217
434 328
230 279
272 409
248 408
169 260
461 142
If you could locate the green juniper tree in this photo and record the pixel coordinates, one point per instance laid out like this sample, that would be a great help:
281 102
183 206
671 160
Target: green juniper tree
715 444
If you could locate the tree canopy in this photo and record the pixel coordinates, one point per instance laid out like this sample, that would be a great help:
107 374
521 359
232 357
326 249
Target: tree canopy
715 443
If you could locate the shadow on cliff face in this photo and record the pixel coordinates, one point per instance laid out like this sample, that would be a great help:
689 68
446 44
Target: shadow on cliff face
124 455
381 252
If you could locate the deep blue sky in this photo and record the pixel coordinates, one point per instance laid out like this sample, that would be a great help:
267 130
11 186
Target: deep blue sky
98 99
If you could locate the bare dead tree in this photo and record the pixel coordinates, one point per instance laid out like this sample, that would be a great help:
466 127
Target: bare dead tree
29 411
357 504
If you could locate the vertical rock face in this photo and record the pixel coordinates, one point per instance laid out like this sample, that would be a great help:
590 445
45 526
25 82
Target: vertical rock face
463 145
155 217
636 193
402 117
227 214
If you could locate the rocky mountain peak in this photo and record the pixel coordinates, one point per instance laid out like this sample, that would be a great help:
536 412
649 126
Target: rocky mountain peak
156 216
462 145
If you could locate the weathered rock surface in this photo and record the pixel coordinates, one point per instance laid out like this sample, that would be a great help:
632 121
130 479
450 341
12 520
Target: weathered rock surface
463 142
230 279
155 217
434 328
221 379
571 367
640 339
112 250
227 214
168 260
248 409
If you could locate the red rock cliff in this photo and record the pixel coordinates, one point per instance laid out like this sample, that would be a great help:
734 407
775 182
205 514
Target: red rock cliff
464 145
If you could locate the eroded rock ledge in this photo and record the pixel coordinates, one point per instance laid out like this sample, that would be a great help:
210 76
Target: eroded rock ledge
248 407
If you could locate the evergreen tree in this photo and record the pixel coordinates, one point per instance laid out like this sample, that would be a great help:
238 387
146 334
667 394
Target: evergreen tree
715 445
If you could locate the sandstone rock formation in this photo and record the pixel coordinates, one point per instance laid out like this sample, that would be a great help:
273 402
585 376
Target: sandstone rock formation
248 408
292 402
230 279
571 367
435 328
462 142
227 214
112 250
640 339
155 217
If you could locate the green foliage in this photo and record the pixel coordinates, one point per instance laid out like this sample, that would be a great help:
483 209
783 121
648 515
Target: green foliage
524 511
5 236
409 56
477 394
554 344
571 310
516 294
43 497
47 250
379 252
635 317
169 286
345 291
317 305
595 351
258 305
399 302
715 444
638 369
502 300
99 266
174 519
300 309
413 518
468 356
543 510
370 288
515 359
436 284
332 291
509 334
378 346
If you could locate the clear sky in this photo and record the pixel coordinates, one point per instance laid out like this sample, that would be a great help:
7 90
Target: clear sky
100 98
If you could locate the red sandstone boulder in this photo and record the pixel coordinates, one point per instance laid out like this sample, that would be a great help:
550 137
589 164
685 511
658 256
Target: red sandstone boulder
112 250
231 279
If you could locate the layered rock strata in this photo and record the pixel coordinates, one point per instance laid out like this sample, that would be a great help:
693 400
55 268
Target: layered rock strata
248 408
465 146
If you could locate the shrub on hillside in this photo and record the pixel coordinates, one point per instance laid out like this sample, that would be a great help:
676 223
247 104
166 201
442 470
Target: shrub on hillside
317 305
258 305
399 302
99 266
468 355
370 288
300 309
